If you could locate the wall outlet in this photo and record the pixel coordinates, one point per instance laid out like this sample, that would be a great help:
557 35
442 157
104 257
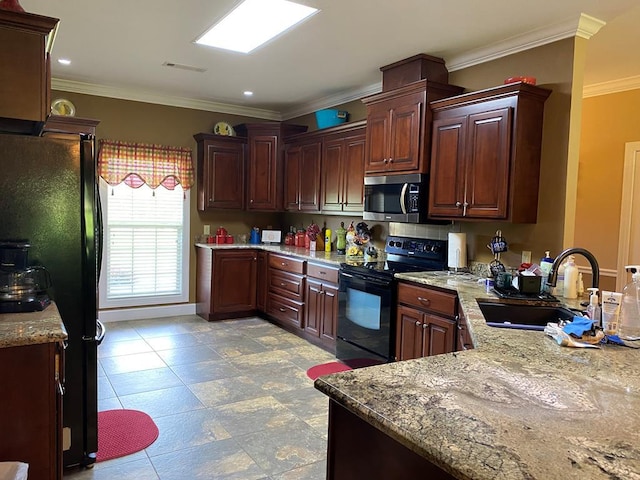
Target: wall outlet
207 230
526 256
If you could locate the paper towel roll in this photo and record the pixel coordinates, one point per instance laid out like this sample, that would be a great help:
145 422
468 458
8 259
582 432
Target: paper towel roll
457 250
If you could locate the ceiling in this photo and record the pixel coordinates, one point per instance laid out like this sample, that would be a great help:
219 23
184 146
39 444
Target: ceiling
118 48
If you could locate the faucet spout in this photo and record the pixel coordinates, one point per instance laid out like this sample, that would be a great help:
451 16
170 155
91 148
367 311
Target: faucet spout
595 269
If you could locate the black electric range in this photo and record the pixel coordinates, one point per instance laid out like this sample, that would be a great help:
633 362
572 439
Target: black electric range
367 298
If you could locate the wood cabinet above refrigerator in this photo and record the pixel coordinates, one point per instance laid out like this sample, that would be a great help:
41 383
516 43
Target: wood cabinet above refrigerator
25 74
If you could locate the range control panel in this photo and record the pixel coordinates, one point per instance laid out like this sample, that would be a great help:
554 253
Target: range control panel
417 247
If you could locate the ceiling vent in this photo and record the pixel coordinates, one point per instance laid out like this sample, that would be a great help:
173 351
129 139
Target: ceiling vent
184 67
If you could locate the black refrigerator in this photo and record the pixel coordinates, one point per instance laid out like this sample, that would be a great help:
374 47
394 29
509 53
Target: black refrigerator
48 195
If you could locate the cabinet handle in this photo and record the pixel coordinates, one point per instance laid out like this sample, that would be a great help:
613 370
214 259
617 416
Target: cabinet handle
426 301
385 161
418 324
458 204
284 264
322 272
391 160
282 284
425 325
251 201
282 309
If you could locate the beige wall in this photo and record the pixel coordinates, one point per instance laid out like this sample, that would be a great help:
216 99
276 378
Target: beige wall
608 122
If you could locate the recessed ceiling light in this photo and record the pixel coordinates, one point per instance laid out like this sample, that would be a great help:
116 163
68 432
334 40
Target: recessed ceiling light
64 61
253 23
248 93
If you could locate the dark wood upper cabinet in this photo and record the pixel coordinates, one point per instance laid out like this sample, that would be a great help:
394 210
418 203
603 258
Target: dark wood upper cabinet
399 127
25 96
485 160
220 171
302 176
265 163
342 186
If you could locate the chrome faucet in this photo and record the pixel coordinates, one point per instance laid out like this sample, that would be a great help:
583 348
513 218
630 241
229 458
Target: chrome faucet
595 269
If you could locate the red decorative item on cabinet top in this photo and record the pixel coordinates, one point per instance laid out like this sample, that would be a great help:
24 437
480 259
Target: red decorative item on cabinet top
13 5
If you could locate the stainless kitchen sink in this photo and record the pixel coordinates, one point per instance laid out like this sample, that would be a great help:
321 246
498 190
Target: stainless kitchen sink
523 316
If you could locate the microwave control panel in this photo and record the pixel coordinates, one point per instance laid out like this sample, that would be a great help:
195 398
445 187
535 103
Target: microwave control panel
413 198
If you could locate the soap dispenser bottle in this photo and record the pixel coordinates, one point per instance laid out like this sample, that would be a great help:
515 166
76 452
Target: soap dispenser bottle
545 267
629 328
593 310
570 279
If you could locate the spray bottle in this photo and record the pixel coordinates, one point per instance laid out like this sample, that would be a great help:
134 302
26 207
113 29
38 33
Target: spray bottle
629 328
593 310
545 267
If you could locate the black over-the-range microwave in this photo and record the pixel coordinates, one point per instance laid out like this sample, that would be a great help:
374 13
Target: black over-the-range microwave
396 198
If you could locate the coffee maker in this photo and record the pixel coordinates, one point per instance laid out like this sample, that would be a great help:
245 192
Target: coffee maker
23 288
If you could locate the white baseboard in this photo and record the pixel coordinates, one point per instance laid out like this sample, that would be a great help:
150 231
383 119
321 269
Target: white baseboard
122 314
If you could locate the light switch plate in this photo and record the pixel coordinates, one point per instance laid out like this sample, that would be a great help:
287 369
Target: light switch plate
526 256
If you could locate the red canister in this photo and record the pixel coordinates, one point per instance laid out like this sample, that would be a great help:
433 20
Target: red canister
299 239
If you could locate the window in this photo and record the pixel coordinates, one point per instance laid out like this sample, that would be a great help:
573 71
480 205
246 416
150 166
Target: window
145 258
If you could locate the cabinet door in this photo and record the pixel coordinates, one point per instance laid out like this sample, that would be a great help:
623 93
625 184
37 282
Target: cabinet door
439 335
314 304
488 154
409 340
224 176
329 314
234 281
404 147
262 182
378 132
332 175
309 179
302 177
353 174
446 187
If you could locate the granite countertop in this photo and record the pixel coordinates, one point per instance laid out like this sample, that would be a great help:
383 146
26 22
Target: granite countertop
518 406
318 255
17 329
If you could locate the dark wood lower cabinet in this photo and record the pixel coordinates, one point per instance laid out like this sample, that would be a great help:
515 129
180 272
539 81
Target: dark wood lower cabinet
322 303
358 450
31 408
226 283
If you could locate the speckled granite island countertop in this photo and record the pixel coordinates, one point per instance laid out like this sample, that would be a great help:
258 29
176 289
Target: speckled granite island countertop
518 406
17 329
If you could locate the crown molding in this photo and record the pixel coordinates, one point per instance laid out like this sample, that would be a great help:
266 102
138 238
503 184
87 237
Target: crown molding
332 100
161 99
584 26
613 86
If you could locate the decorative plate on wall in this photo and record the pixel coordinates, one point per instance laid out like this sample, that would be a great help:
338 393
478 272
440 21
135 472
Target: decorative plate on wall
62 106
223 128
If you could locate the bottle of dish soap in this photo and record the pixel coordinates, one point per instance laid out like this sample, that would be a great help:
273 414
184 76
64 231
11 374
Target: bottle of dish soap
593 310
545 267
570 279
629 328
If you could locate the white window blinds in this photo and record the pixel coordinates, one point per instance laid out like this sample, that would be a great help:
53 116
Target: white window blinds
145 261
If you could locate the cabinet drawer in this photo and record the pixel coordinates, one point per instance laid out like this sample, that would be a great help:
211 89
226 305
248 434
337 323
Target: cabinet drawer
285 310
322 272
427 299
288 264
286 284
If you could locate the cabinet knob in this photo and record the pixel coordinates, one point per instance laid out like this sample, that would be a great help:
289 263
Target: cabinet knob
284 264
391 160
251 201
282 309
458 204
385 161
426 301
418 324
425 325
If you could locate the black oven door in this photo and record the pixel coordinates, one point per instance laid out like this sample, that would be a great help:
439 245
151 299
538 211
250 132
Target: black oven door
365 319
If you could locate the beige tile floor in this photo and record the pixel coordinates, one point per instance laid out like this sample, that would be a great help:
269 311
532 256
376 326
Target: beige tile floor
231 400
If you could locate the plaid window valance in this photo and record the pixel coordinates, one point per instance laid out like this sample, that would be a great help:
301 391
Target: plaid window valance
140 163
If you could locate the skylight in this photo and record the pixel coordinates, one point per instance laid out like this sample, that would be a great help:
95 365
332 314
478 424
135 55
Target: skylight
253 23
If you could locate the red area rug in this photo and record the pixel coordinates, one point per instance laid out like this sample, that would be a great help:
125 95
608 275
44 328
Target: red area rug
123 432
325 369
